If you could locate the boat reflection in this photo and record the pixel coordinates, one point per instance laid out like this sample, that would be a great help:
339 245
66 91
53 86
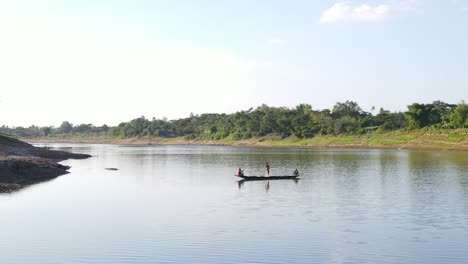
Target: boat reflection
240 184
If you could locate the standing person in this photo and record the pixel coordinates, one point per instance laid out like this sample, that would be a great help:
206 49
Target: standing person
267 167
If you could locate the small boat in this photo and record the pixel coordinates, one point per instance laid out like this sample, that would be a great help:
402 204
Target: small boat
265 178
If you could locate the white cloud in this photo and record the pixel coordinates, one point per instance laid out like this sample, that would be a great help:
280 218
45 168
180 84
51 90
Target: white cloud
345 11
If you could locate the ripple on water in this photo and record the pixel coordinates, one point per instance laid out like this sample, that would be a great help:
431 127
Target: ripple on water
182 205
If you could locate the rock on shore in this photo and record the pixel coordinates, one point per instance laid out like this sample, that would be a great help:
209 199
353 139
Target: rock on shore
25 149
22 164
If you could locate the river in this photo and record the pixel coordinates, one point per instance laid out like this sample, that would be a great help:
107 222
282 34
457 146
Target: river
183 204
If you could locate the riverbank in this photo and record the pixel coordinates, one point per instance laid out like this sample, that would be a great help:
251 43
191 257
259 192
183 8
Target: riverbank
451 140
22 164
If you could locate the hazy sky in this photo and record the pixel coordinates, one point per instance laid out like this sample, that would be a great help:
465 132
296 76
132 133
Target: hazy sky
111 61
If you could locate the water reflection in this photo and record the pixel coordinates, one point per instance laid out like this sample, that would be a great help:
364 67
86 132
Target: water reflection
240 183
351 206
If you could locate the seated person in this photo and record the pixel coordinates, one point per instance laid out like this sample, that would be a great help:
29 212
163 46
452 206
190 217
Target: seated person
295 172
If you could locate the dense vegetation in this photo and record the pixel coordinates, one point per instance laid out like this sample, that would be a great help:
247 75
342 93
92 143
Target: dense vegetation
302 121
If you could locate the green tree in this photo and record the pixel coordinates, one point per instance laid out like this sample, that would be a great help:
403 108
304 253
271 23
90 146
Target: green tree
301 121
417 115
65 127
46 130
422 115
460 115
439 112
348 108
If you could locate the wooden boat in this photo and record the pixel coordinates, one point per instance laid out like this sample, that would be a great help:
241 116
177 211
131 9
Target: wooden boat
265 178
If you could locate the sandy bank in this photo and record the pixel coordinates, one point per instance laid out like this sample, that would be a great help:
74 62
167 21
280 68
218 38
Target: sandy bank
418 143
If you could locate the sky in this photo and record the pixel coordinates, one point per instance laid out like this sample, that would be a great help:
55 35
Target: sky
106 62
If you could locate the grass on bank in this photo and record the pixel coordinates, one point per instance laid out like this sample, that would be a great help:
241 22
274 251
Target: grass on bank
7 140
424 138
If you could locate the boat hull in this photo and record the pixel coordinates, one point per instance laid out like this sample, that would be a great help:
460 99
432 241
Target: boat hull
266 178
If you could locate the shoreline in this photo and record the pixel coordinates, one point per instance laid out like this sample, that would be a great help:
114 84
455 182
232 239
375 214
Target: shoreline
22 164
286 143
18 172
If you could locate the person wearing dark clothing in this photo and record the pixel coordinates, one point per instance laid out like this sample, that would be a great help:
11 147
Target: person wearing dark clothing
295 172
267 167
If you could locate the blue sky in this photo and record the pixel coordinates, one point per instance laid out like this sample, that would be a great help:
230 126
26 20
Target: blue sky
111 61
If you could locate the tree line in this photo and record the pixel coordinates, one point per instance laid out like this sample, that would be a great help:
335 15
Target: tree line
301 121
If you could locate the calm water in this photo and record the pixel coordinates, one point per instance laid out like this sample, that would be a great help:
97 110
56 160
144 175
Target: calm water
182 204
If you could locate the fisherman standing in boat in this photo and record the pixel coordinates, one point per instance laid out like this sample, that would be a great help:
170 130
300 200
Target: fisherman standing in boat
267 167
240 172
